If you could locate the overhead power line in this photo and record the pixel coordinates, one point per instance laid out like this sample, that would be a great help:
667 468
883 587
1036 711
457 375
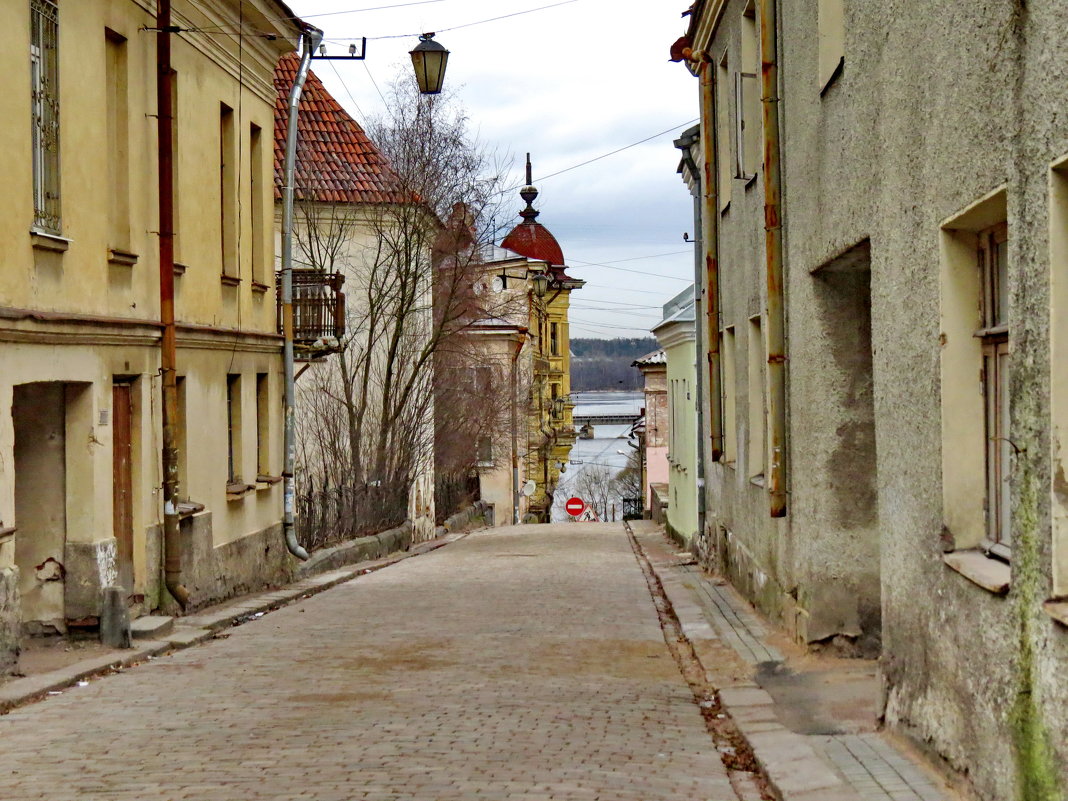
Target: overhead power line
672 129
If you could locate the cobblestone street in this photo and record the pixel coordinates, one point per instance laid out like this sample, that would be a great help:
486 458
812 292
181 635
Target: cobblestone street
523 663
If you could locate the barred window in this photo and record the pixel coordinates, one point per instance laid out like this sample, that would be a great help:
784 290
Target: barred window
44 85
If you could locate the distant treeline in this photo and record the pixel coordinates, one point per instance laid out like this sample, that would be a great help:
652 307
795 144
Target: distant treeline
606 363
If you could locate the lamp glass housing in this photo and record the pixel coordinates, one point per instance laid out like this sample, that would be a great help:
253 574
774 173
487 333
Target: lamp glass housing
541 284
429 60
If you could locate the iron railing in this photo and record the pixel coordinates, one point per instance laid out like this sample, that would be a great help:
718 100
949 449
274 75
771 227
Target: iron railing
44 86
318 307
452 493
329 516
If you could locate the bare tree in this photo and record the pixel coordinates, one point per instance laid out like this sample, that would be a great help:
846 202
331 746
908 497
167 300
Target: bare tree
412 261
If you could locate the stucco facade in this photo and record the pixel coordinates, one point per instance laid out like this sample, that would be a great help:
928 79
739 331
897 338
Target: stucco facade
924 220
676 335
655 430
79 307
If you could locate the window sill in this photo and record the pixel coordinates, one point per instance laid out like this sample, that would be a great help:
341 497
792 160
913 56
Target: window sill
990 574
1058 610
230 280
179 269
757 480
485 464
750 181
236 490
266 482
188 509
7 532
724 209
258 287
121 258
42 241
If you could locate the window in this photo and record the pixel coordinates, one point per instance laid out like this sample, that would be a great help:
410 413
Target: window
181 438
757 455
259 174
227 195
233 428
723 146
554 339
485 452
118 133
747 100
974 362
175 164
729 404
44 94
263 425
993 261
831 22
1058 355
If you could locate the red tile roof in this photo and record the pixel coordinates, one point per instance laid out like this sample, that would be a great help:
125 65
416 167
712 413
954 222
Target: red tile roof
336 161
533 240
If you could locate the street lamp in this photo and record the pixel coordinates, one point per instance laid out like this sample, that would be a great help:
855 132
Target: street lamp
429 59
541 284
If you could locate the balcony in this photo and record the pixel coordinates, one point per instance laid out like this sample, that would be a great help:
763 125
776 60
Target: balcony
318 312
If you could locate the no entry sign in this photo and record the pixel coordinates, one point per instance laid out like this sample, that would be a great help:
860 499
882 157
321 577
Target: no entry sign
575 506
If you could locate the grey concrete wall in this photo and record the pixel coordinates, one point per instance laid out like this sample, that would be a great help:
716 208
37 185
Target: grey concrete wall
937 105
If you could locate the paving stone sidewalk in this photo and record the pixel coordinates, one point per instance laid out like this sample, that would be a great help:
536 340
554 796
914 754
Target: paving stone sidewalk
839 764
521 663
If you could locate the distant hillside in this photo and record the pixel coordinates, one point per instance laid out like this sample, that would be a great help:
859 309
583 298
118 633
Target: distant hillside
606 363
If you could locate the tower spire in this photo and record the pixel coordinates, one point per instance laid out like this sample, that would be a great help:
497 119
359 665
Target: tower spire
529 194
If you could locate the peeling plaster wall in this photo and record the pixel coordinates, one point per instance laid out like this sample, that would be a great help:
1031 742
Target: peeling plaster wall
938 104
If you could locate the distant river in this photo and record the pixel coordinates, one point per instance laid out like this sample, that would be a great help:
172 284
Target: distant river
609 447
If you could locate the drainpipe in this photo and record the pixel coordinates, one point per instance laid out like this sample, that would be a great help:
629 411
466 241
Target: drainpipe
515 434
172 544
776 332
709 239
310 40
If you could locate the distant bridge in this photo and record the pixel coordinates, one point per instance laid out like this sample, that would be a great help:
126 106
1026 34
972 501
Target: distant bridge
618 419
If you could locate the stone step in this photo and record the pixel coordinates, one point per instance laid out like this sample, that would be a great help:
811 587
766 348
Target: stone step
151 627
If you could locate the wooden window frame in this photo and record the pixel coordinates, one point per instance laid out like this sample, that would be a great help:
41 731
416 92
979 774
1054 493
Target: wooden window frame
993 264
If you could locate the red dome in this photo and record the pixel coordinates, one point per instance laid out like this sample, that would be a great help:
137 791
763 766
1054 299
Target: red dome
533 240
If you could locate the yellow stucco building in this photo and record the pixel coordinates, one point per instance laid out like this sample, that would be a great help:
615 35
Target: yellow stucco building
80 430
531 259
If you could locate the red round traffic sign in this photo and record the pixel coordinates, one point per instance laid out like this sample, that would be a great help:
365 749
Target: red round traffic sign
575 506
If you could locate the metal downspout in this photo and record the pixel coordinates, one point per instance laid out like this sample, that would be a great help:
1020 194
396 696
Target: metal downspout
310 40
172 544
515 435
710 247
776 328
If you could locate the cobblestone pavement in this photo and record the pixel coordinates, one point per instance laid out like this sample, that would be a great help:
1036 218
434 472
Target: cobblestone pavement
523 663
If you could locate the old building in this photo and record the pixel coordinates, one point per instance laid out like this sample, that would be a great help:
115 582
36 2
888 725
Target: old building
676 335
80 308
366 415
885 230
653 430
534 330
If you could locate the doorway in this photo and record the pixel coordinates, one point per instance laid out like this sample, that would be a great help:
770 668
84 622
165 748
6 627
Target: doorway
122 473
39 416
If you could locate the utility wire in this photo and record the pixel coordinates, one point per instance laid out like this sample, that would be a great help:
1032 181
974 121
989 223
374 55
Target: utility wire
672 129
348 92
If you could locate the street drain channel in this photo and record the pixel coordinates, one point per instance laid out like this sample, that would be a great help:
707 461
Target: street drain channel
746 776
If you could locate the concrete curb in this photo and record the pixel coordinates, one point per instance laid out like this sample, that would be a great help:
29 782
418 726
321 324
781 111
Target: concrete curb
198 628
794 770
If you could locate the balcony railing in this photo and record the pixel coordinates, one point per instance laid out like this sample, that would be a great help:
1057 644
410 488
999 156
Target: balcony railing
318 310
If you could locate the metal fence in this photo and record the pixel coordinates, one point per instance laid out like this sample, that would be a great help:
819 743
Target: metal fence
452 493
327 517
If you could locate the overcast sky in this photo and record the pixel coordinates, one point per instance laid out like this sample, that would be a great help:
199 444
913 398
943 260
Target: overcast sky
568 83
